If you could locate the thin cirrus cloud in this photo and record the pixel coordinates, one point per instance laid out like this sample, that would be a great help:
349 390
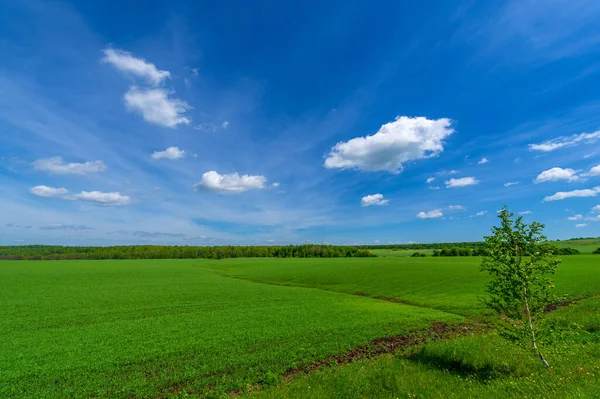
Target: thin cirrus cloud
169 153
57 166
403 140
126 62
565 141
461 182
433 214
456 208
525 213
581 225
510 183
157 107
557 174
99 197
373 200
480 213
561 195
230 183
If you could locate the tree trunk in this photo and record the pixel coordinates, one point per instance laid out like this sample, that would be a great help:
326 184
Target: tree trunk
531 331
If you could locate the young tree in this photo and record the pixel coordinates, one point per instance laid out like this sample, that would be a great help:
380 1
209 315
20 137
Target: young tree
519 258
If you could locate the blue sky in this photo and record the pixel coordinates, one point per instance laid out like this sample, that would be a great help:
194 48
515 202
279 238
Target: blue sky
201 123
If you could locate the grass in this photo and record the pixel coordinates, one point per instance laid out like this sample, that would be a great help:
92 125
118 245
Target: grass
165 328
484 366
446 283
583 245
152 328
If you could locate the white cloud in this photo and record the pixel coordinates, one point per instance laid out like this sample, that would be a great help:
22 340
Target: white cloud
169 153
436 213
276 184
431 179
483 160
225 124
596 208
157 107
525 213
452 172
405 139
480 213
462 182
113 198
581 225
456 208
47 192
434 187
556 174
575 217
561 195
126 62
510 183
594 171
565 141
230 183
56 165
373 199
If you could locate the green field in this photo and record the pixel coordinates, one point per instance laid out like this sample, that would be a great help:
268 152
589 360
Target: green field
166 328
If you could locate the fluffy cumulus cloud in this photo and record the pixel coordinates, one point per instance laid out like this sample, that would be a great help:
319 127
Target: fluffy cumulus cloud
594 171
430 180
126 62
48 192
596 208
103 198
556 174
483 160
56 165
576 217
373 199
169 153
434 214
403 140
157 107
230 183
561 195
461 182
565 141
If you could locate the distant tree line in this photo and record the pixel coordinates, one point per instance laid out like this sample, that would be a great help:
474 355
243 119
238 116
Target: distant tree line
438 246
483 251
52 252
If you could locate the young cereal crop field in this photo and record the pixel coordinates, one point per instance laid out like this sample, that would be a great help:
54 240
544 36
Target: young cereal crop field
203 328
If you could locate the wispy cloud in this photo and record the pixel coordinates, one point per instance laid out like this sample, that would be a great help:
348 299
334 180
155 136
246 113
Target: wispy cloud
99 197
461 182
48 192
581 225
483 160
556 174
525 213
169 153
433 214
157 107
55 165
405 139
510 183
561 195
373 200
126 62
566 141
74 227
230 183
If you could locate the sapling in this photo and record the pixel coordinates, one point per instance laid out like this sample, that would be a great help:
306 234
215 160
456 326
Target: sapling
519 260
